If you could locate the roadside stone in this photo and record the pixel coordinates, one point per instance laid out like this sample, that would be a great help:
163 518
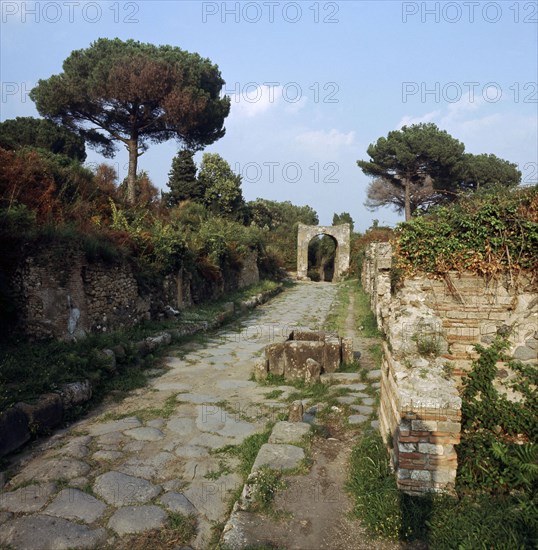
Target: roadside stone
261 369
14 431
288 432
77 505
312 371
45 414
374 374
145 434
296 412
357 419
122 425
75 393
121 489
137 519
50 533
27 499
278 457
347 351
179 503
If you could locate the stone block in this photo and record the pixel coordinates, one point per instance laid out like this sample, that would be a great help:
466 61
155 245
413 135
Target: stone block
347 351
332 354
431 449
296 412
44 415
312 372
261 369
421 475
308 335
14 431
274 353
424 426
75 393
296 354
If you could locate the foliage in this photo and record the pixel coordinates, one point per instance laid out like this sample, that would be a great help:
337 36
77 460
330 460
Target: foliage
344 217
440 521
279 222
415 163
266 482
420 166
498 451
136 94
488 232
42 134
222 188
182 180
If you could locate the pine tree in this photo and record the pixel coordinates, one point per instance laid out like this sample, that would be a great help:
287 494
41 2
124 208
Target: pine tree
182 180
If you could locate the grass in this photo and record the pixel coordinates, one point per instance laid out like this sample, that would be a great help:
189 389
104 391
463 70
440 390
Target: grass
247 450
147 414
473 521
177 533
275 394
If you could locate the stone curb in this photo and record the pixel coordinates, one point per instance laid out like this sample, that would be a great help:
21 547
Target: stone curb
21 421
232 534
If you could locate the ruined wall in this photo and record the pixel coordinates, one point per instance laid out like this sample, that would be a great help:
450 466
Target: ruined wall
60 294
431 326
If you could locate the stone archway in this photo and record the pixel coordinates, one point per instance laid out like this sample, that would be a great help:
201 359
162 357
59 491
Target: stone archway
340 233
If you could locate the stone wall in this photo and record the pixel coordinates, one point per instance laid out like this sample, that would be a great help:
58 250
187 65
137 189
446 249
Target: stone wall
60 294
431 326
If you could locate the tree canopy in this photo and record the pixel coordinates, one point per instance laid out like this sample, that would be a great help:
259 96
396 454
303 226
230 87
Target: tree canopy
43 134
420 166
344 217
415 162
136 94
182 180
222 187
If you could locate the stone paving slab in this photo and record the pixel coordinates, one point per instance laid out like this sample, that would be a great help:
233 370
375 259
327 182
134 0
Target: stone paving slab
50 533
121 489
115 426
289 432
51 470
278 457
77 505
27 499
137 519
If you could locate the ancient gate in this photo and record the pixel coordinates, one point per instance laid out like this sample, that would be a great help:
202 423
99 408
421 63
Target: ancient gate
340 233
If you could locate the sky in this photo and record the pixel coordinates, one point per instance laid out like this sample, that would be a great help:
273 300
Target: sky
311 84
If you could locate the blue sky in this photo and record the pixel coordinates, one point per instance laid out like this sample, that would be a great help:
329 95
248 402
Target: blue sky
312 83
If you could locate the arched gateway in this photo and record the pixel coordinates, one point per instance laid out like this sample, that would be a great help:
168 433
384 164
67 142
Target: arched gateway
340 233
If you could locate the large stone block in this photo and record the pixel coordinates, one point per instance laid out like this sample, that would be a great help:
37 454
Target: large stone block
332 354
296 354
308 335
14 430
44 415
275 355
347 351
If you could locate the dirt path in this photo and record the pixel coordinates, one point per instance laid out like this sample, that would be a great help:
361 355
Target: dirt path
128 476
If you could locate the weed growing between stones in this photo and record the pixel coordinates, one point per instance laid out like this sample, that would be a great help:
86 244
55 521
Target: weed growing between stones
267 482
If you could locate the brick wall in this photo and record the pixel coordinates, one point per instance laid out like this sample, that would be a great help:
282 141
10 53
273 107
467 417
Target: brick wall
420 408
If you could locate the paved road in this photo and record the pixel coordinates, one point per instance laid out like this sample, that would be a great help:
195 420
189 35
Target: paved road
127 469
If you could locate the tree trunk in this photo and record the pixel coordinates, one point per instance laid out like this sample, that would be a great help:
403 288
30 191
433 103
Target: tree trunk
131 176
407 199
